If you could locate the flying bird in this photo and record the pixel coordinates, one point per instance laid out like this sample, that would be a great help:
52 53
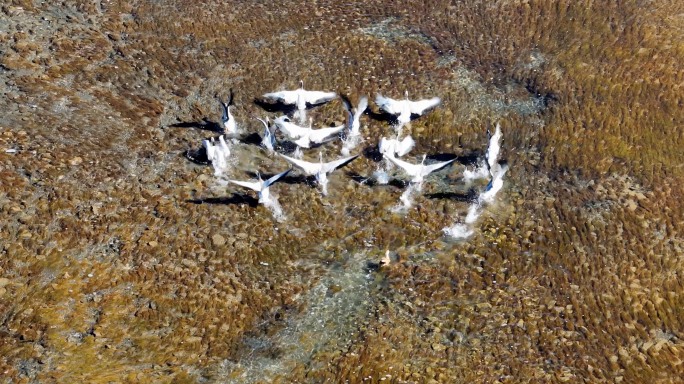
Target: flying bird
268 141
492 154
301 98
290 129
403 109
495 184
227 119
353 121
418 171
318 136
261 186
217 154
320 170
396 147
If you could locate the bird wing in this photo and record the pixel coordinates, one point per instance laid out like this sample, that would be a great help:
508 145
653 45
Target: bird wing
386 146
333 165
404 146
348 108
317 97
433 167
418 107
293 131
224 110
209 147
361 108
275 178
254 185
304 142
305 166
319 135
388 105
287 97
411 169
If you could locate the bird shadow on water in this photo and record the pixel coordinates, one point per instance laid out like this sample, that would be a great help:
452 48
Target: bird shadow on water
372 153
468 197
197 156
371 182
234 199
205 125
382 116
289 179
465 159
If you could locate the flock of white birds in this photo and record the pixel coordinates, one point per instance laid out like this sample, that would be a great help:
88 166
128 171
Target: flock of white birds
400 112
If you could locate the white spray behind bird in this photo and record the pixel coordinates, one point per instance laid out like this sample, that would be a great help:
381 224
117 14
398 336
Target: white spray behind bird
396 147
218 154
496 171
301 99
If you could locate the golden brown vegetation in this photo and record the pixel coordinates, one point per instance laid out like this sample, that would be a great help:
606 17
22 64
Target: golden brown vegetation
108 273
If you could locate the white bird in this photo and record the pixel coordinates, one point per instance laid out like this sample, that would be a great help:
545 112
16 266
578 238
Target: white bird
268 141
403 109
318 136
354 123
290 129
261 186
396 147
218 154
301 98
492 155
320 170
418 171
495 184
227 119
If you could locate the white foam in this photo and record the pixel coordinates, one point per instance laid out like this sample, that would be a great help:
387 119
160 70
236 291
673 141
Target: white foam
381 177
298 154
275 208
480 172
459 231
473 213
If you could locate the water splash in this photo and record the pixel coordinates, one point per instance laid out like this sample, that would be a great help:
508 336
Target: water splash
491 168
298 154
274 206
407 198
473 213
459 231
381 176
219 154
349 144
480 172
494 185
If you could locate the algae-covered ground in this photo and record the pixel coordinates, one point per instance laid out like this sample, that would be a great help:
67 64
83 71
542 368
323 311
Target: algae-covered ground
123 261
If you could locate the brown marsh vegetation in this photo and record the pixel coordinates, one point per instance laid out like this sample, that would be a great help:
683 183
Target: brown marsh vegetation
109 273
